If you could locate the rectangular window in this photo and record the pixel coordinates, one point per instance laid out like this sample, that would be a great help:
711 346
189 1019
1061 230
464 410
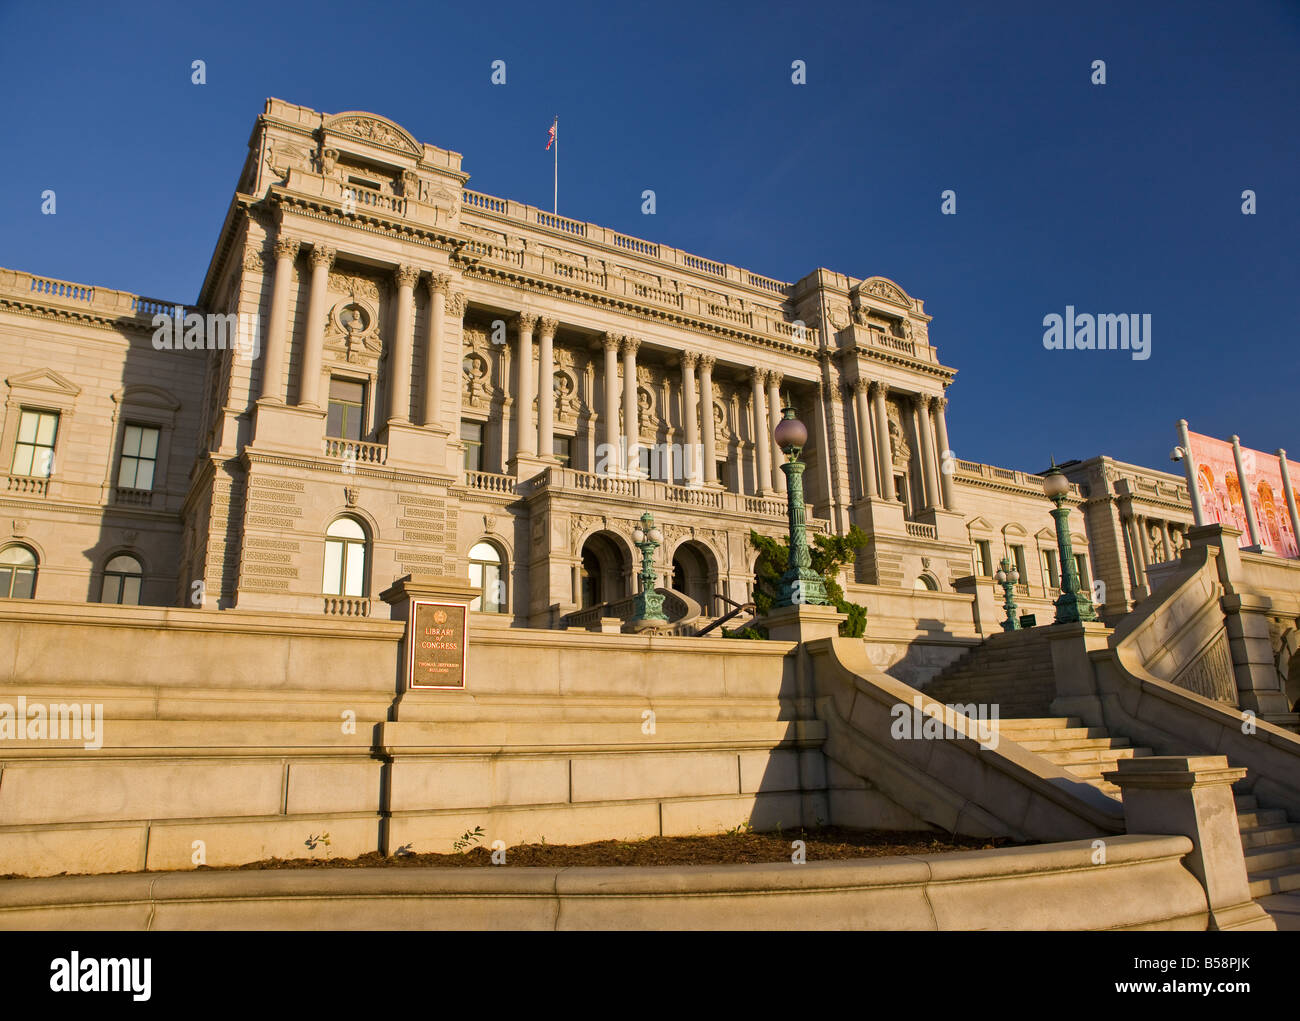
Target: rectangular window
139 457
1053 575
986 558
1018 556
1081 565
563 450
346 409
34 451
471 435
722 474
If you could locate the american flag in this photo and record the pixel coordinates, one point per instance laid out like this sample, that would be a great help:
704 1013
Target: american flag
551 140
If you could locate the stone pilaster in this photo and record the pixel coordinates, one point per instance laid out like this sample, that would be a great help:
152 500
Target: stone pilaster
399 362
322 258
706 420
546 389
434 353
277 334
762 457
861 396
883 455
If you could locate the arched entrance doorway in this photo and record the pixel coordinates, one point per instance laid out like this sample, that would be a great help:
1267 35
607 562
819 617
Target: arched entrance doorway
604 570
694 574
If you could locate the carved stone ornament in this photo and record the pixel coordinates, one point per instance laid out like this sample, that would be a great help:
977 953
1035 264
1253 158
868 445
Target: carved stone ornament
351 494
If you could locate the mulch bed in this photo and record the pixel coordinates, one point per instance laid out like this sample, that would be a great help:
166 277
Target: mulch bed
822 844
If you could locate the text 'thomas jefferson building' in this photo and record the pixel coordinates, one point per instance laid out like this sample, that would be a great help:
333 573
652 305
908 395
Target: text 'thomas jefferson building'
428 380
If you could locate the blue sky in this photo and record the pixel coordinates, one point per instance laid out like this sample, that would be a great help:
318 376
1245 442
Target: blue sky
1115 198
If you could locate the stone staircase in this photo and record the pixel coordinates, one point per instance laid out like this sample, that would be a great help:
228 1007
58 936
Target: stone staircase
1013 670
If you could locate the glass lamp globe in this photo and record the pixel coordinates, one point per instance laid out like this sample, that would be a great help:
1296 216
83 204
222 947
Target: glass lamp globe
638 535
790 432
1015 577
656 535
1000 577
1055 484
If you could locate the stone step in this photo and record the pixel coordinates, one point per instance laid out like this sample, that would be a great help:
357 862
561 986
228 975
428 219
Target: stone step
1246 802
1091 770
1055 734
1007 724
1273 881
1253 817
1086 755
1272 856
1083 744
1270 836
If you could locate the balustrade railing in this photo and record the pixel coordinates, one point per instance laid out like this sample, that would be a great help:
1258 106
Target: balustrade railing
356 451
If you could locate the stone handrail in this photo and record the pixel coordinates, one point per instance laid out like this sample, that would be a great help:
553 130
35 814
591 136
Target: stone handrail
490 482
102 300
953 784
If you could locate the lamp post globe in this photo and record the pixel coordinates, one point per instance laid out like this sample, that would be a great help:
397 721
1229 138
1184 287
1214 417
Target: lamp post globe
1072 606
800 585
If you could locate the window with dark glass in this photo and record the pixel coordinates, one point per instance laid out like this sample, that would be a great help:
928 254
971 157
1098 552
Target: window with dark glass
1053 575
564 450
471 435
17 573
34 451
346 409
1018 555
139 457
121 581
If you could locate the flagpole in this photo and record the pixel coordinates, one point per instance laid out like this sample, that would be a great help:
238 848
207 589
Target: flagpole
555 198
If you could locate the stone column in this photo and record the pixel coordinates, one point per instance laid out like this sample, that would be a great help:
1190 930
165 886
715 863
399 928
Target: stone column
762 458
631 424
525 435
941 439
277 334
1252 526
322 258
1138 568
399 362
1289 494
706 420
546 388
883 455
690 405
1144 538
921 402
861 388
774 417
1192 796
1169 542
431 391
610 343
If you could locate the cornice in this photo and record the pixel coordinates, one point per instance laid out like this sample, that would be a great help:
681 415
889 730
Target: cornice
522 282
248 458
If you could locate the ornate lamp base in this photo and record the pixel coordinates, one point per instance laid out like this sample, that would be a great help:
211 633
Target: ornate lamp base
801 586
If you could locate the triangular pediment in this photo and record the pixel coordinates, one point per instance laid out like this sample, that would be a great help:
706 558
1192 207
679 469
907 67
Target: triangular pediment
979 525
44 381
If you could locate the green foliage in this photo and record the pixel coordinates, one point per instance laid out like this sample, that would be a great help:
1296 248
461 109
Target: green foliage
828 554
468 838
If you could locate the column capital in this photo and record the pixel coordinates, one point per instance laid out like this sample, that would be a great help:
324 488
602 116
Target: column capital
526 320
707 362
630 345
547 326
322 255
406 276
689 359
879 389
921 401
439 283
859 385
758 376
940 404
611 341
774 378
287 248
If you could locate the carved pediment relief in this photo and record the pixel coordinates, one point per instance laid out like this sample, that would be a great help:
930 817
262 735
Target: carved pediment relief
374 130
44 380
886 290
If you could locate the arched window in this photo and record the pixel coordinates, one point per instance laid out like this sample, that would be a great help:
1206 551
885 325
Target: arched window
485 572
17 573
121 581
924 583
345 558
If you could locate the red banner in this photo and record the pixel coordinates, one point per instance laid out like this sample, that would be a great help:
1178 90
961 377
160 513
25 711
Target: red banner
1221 491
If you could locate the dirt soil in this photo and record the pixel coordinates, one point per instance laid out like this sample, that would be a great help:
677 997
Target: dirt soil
822 844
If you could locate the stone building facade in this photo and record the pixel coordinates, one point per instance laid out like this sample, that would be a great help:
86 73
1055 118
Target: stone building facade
386 373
